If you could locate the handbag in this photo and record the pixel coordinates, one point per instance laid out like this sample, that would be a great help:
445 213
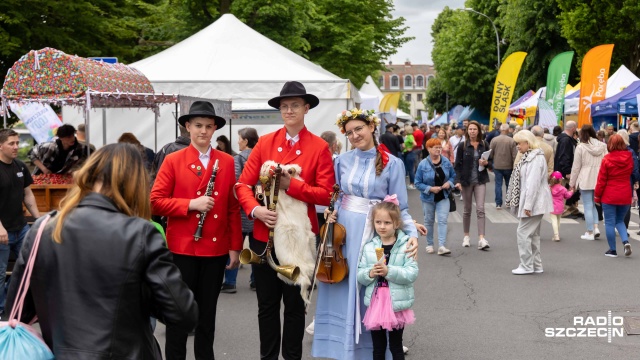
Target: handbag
452 202
19 340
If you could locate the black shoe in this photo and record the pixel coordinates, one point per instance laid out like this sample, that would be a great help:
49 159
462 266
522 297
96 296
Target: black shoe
611 253
252 285
228 289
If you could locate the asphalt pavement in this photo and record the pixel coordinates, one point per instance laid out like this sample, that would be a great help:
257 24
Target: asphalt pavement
469 306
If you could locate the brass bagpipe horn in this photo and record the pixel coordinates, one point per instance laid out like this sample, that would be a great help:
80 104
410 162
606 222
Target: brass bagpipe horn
247 256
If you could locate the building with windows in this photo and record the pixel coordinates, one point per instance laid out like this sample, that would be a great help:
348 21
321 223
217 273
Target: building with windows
410 79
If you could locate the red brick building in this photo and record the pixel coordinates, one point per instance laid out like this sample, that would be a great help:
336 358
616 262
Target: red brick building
410 79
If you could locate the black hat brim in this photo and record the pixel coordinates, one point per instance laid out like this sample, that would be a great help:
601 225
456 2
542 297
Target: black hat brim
220 121
311 99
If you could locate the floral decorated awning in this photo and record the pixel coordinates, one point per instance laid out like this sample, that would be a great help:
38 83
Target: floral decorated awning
51 76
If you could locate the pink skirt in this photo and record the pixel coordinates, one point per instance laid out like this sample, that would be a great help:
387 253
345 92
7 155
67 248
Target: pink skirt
380 314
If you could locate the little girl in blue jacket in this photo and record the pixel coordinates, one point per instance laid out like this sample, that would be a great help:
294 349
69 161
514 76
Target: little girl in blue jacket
388 273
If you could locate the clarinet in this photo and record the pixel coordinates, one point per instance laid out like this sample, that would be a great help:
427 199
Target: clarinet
209 191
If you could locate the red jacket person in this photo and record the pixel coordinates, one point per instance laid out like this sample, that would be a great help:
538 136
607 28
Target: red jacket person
179 193
292 145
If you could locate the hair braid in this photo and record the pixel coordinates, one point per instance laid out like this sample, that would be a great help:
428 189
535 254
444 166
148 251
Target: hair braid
379 164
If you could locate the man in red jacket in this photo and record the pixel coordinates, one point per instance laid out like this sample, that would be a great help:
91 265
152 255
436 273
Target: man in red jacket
293 144
179 193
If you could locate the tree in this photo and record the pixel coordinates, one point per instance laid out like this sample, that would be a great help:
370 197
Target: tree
586 24
86 28
463 58
404 104
532 26
351 38
436 97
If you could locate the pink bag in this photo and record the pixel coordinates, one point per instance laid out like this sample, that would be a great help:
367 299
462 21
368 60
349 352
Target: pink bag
19 340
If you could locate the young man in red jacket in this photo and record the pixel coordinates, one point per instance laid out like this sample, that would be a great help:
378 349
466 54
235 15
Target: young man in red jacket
179 193
293 144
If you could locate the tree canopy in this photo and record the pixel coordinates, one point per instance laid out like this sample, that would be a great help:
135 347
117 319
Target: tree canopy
350 38
464 52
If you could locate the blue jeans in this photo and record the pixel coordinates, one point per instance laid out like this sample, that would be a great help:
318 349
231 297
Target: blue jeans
501 174
431 210
614 220
409 161
230 276
590 211
14 245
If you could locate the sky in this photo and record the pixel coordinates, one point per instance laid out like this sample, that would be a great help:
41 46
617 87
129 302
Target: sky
419 16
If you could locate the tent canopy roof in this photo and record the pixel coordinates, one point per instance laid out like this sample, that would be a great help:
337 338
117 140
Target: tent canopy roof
622 78
609 106
52 73
229 50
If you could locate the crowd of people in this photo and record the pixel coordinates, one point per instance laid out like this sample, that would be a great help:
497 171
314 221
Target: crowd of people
209 200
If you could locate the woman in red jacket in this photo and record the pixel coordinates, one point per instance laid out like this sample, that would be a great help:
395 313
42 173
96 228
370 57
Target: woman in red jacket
614 193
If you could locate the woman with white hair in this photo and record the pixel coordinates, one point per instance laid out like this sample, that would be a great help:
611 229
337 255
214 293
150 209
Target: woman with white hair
530 197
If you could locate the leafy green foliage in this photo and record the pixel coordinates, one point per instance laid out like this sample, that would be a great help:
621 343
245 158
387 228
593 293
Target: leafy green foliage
532 26
586 24
350 38
462 58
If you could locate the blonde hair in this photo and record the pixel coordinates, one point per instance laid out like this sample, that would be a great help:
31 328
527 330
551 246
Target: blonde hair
526 135
119 169
392 209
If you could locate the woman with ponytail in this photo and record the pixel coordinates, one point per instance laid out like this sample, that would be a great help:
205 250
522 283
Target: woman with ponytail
365 175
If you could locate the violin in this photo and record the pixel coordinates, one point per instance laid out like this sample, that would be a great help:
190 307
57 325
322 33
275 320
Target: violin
332 266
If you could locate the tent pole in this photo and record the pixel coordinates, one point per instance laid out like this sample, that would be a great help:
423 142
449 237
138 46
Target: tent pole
176 119
155 130
104 126
4 113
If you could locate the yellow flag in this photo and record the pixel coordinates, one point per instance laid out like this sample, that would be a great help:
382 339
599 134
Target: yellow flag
389 103
504 86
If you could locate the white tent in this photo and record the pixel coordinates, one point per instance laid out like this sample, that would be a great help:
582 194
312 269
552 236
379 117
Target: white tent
617 82
531 103
230 61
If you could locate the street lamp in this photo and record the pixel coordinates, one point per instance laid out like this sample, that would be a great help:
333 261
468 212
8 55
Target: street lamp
494 28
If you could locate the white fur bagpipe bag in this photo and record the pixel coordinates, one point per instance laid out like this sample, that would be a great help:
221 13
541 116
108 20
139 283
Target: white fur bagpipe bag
293 241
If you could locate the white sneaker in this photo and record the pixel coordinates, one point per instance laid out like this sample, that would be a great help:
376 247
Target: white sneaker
521 271
596 233
466 241
443 251
538 271
405 349
429 249
587 236
311 327
483 244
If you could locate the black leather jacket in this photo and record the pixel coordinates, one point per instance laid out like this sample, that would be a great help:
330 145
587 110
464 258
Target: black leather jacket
93 293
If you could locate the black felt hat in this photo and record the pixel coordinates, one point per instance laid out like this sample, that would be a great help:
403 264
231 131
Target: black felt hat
202 109
294 89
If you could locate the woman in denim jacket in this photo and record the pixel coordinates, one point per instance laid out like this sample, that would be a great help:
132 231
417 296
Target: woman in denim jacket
434 179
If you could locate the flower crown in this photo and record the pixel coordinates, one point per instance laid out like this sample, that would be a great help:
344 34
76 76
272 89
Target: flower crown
367 116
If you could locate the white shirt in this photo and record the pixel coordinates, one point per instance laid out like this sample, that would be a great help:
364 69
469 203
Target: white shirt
293 140
204 158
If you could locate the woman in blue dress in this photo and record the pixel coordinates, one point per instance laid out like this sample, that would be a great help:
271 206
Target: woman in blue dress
365 175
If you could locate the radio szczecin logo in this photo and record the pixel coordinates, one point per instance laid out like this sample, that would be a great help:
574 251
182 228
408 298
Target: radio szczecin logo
590 327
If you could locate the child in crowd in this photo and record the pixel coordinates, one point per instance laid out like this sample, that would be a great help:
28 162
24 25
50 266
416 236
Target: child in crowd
559 194
388 273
